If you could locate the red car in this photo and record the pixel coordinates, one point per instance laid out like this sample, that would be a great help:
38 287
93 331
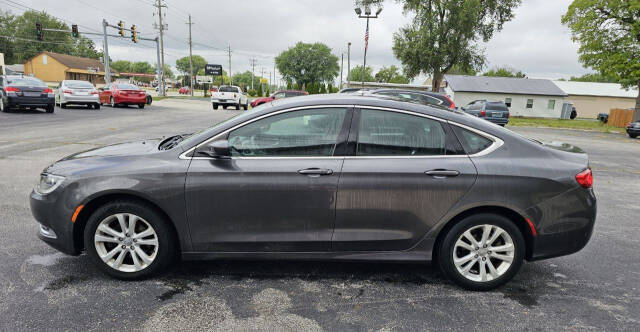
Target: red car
278 95
184 90
115 94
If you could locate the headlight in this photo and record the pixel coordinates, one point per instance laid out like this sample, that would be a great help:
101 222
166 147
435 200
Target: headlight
48 183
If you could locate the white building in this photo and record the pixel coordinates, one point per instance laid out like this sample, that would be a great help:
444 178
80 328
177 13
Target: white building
591 98
523 96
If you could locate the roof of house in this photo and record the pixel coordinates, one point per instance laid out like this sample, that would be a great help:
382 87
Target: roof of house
76 62
596 89
507 85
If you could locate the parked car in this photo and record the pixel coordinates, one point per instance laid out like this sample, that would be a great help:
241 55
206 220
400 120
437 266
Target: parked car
492 111
184 90
338 176
72 92
633 129
213 89
278 95
229 95
116 94
423 97
25 92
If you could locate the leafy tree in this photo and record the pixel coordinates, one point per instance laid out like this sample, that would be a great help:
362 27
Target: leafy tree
26 47
594 77
459 69
504 72
244 79
289 86
444 33
121 66
391 75
329 88
356 74
306 63
608 32
182 65
266 93
323 89
167 71
260 90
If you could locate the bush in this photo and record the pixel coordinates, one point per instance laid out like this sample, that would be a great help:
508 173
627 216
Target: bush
260 90
322 90
252 92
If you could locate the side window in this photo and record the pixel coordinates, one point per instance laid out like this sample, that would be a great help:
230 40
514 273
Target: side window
384 133
507 101
429 99
304 133
471 142
279 95
529 103
552 104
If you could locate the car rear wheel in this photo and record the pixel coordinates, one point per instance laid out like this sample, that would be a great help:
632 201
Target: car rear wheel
215 106
62 105
50 108
633 135
129 240
224 106
246 105
141 106
96 106
482 251
3 107
112 102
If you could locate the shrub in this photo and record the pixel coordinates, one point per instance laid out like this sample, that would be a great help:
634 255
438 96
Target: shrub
252 92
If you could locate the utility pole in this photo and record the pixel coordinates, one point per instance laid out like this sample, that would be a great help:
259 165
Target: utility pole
252 61
274 74
107 69
261 77
190 58
161 29
341 68
229 52
348 65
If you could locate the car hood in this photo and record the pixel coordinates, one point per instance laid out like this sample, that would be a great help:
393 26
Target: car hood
120 149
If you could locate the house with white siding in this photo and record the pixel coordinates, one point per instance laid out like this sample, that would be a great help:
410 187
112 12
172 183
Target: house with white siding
524 96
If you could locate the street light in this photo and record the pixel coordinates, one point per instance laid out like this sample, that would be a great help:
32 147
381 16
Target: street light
367 15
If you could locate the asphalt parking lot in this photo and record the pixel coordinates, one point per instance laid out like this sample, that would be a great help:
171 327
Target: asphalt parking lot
595 289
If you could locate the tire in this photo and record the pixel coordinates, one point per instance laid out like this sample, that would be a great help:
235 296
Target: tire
504 271
63 106
50 108
633 135
149 100
141 106
238 106
158 256
215 106
112 102
224 107
246 105
96 106
3 107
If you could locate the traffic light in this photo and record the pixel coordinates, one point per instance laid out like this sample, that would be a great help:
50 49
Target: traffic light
134 34
121 27
74 30
38 31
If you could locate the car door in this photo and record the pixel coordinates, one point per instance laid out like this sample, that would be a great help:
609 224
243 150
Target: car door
277 193
405 172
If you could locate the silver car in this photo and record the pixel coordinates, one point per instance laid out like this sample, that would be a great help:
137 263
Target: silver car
72 92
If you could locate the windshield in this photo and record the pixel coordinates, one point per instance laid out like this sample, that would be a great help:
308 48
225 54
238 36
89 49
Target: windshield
127 87
228 89
25 81
78 84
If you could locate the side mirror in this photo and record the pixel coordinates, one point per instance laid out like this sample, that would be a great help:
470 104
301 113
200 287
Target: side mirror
218 150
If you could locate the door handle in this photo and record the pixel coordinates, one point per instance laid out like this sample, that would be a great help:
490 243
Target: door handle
316 171
442 173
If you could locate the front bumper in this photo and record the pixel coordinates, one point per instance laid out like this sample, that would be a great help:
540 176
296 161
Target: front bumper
633 130
56 228
15 101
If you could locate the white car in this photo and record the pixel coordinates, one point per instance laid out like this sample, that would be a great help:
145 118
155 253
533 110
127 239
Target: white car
229 95
71 92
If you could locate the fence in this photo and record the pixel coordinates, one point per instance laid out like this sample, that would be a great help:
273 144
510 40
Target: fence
620 117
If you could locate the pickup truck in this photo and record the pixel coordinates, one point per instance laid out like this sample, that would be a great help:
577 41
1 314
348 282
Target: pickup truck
228 95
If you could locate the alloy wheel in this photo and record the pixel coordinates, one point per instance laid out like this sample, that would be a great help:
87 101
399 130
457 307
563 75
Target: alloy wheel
126 242
483 253
112 102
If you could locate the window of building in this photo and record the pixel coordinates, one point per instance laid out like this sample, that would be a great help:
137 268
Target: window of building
507 101
529 103
552 104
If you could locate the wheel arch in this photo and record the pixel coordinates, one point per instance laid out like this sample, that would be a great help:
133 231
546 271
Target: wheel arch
95 202
517 218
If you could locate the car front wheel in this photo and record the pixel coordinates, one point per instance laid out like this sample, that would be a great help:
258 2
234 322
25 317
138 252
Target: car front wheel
129 240
482 251
633 135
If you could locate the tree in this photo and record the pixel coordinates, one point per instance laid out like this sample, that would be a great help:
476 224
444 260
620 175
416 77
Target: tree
356 74
182 65
260 90
391 75
306 63
594 77
504 72
444 33
168 73
121 66
609 36
244 79
460 69
25 46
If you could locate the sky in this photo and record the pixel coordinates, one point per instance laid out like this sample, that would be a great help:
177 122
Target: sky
534 42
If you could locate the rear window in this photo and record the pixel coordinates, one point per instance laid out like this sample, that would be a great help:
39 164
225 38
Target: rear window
497 107
228 89
25 81
471 142
127 87
78 84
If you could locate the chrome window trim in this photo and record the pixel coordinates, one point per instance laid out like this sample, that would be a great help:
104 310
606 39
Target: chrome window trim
497 142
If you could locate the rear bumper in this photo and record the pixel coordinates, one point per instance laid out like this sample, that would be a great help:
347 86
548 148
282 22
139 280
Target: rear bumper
70 99
13 101
225 101
500 121
130 99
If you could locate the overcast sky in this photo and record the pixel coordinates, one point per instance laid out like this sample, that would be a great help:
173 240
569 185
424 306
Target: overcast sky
534 42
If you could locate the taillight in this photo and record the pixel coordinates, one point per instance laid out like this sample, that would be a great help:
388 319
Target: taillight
483 113
585 178
235 95
67 91
94 92
629 124
508 115
47 90
11 89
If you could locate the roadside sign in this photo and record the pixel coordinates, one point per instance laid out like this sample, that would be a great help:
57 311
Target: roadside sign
264 80
210 69
204 79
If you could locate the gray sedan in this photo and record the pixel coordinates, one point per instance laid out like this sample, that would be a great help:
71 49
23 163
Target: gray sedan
71 92
340 177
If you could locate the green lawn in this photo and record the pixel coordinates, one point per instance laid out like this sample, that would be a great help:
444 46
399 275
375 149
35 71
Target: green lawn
584 124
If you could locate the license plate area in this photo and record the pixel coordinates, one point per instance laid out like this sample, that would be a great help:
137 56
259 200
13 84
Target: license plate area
31 94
